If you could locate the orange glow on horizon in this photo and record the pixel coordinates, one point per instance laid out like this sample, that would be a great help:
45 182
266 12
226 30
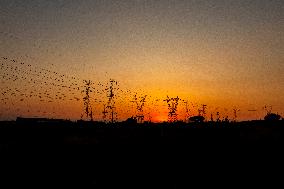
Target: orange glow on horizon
224 55
158 118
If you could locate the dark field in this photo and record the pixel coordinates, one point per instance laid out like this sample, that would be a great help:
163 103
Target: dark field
31 133
125 155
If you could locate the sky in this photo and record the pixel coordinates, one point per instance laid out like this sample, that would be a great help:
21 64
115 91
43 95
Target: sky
223 53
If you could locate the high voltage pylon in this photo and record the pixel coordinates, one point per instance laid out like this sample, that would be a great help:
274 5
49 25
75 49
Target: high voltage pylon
88 110
111 95
172 107
187 110
139 102
235 112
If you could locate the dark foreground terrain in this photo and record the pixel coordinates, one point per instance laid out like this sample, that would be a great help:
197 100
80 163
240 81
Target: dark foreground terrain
34 132
58 153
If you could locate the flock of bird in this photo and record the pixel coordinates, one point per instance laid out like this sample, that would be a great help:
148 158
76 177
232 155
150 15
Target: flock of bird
27 89
22 82
30 89
35 91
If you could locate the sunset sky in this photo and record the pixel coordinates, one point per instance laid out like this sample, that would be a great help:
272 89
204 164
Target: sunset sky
222 53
